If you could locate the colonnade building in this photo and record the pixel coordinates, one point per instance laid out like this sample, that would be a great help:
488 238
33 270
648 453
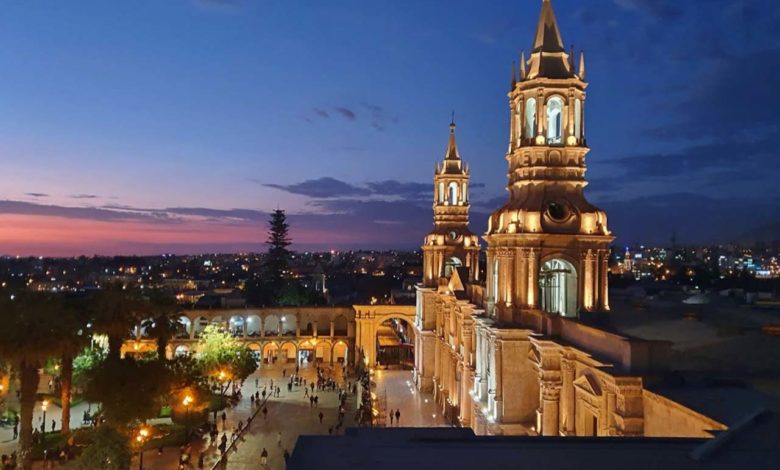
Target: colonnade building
516 353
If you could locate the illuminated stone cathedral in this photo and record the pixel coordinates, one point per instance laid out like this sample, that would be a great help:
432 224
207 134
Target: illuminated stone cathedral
516 353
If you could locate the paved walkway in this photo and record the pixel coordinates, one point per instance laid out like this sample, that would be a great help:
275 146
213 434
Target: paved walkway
417 409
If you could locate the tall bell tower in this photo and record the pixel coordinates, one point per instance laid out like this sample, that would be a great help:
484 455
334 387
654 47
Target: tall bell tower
451 244
548 247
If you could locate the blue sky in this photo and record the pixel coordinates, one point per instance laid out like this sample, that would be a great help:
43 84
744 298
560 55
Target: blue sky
170 115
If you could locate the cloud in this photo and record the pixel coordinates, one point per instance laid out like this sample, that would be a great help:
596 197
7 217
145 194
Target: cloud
375 115
38 195
346 113
330 188
324 187
83 196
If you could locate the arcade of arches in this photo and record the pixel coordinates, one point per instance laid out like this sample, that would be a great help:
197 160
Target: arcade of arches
290 334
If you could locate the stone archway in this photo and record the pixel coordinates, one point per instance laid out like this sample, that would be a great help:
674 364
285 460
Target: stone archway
368 319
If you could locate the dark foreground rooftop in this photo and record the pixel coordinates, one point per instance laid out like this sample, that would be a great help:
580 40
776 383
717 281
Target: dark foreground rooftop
754 443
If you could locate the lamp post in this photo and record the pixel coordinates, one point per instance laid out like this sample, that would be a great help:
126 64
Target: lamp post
44 405
140 438
187 402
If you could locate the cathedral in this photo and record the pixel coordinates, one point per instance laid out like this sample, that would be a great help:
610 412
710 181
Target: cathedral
520 352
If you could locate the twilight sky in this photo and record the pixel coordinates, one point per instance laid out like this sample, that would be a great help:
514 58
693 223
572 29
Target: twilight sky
150 126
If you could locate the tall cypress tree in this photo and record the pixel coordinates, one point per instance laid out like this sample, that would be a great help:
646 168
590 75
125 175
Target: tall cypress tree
277 260
268 288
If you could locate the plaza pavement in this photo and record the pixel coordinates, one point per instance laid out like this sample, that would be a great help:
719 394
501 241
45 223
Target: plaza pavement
291 413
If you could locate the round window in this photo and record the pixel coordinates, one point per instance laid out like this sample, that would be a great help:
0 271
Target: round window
557 211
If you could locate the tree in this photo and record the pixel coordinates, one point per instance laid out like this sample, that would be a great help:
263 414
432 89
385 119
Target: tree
27 339
128 389
164 324
276 263
108 450
224 357
72 337
115 311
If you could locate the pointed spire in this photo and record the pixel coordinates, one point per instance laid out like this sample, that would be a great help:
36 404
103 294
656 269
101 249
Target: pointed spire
452 147
522 65
548 37
582 65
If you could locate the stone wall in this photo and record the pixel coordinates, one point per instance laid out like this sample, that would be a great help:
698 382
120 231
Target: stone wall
667 418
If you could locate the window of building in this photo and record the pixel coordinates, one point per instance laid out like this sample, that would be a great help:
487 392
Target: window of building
558 288
555 120
530 118
453 193
441 192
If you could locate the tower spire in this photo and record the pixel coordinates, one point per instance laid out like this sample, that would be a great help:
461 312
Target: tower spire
548 36
452 146
582 65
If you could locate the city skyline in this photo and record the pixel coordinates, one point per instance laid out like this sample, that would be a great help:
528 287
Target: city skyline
177 127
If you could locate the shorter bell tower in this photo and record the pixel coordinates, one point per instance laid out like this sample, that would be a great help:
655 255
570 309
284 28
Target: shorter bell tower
451 244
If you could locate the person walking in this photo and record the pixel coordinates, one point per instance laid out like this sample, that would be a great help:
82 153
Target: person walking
397 416
391 417
265 413
224 418
16 430
321 416
279 439
264 457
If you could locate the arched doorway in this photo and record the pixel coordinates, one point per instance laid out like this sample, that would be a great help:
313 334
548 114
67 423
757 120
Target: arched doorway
256 351
395 344
558 288
289 324
289 352
270 353
271 325
340 351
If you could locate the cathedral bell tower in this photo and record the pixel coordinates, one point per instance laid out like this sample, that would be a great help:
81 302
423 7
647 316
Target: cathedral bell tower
451 244
548 247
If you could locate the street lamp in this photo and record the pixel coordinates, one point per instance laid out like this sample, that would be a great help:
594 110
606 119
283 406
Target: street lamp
140 438
44 405
187 402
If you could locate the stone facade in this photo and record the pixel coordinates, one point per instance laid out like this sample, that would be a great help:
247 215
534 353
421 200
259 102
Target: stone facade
510 356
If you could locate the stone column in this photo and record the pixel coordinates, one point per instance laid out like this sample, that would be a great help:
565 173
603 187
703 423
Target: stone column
550 393
262 327
605 280
314 328
521 277
332 328
567 398
499 396
533 278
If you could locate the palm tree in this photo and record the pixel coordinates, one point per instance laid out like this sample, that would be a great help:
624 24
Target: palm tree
72 339
28 338
164 324
115 310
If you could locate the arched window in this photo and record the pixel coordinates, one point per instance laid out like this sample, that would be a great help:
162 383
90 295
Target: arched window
518 124
464 193
441 191
558 288
578 119
554 120
530 118
453 193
